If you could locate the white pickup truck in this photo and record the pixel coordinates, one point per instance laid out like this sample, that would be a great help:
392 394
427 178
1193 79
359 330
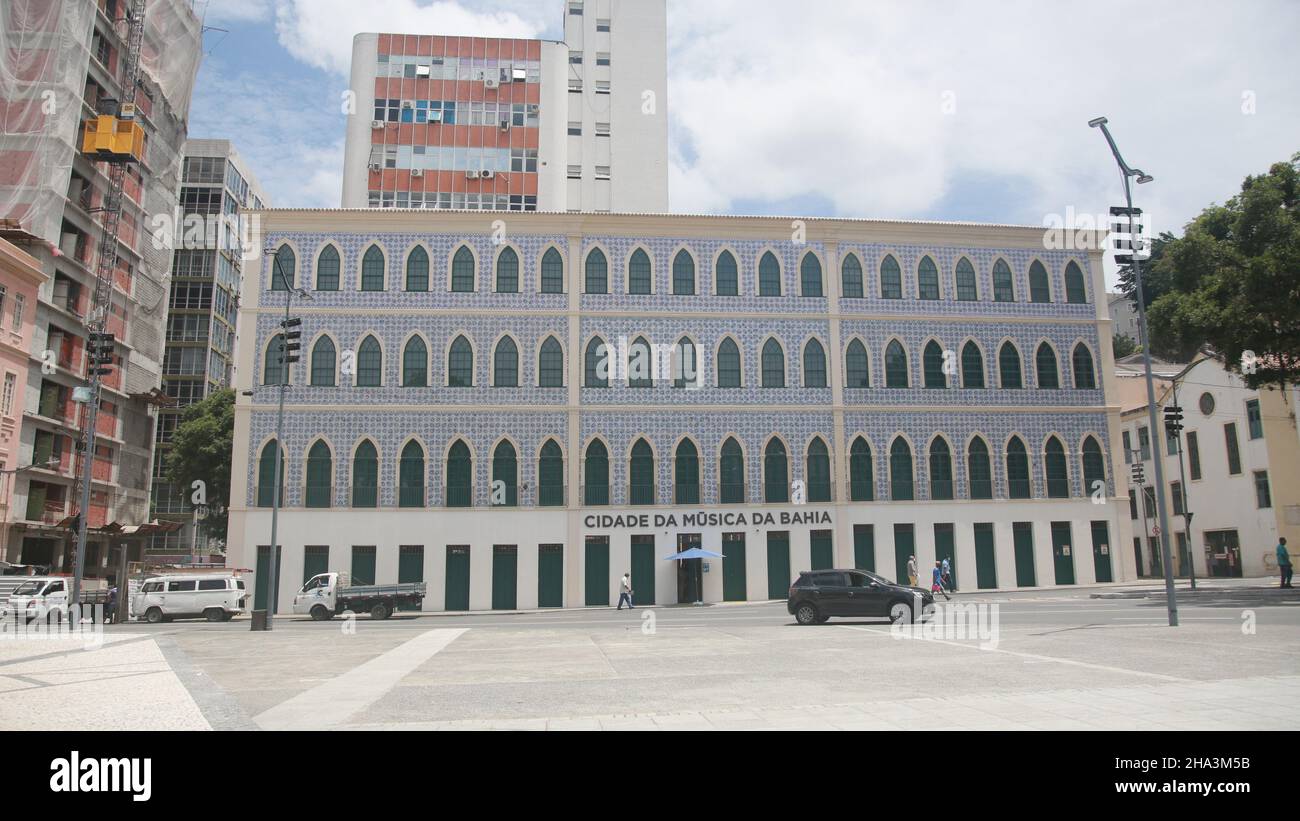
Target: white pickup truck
329 594
41 596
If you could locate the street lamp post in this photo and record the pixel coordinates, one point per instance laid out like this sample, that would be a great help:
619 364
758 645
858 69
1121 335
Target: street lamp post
1143 332
1182 489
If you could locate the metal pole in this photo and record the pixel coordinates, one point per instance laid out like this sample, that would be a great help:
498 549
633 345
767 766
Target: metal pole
1142 491
92 415
1182 491
271 579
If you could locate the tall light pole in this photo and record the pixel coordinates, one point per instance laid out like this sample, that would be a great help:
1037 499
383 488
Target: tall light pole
1145 337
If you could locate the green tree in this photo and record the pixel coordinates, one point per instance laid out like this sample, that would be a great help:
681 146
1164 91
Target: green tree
1236 279
201 450
1124 345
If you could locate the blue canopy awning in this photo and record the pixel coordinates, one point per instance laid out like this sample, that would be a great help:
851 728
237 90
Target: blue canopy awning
694 553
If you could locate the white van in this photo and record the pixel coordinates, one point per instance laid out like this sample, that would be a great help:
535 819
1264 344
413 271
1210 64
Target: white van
36 595
214 597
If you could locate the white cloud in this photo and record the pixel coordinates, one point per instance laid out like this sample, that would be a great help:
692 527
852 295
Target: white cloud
234 11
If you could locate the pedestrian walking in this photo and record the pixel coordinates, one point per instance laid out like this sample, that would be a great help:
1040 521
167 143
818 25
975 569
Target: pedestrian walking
1284 562
625 592
911 570
936 581
947 576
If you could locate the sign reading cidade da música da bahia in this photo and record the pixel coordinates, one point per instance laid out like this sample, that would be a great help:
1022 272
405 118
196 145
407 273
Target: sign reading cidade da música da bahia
707 519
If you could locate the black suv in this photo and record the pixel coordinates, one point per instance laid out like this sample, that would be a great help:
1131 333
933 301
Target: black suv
819 594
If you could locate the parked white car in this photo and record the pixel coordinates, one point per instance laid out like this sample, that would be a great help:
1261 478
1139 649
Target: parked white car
214 597
38 596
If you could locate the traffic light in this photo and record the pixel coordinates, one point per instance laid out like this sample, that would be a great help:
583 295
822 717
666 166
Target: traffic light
1126 229
292 334
1139 474
1174 419
99 353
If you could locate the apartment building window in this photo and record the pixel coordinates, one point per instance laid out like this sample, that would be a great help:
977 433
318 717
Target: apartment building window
7 403
602 172
1171 442
602 25
1132 504
575 172
602 86
1144 443
1149 501
3 291
575 85
575 8
602 58
602 129
575 58
1128 448
1194 454
1254 422
1176 493
575 129
1262 495
1234 453
20 304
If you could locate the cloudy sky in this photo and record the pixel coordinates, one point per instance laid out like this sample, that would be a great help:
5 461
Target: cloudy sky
923 109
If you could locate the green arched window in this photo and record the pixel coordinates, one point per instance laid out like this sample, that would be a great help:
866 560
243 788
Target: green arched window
462 270
372 269
769 275
891 279
862 472
895 365
685 363
1004 289
819 471
728 364
1094 466
683 274
505 476
505 364
932 365
686 474
323 358
901 484
814 365
967 290
727 275
1058 473
460 364
640 364
460 476
979 469
365 475
284 267
851 277
773 364
1039 288
1048 376
596 470
415 364
972 366
267 471
370 363
940 469
810 275
274 369
550 364
410 476
596 364
552 272
732 473
507 271
417 269
597 272
857 368
1009 366
550 475
327 269
320 475
927 279
640 275
776 472
1085 378
641 474
1075 292
1018 486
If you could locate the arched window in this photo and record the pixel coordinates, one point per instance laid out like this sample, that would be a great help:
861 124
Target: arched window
372 269
1004 289
773 364
505 476
284 269
727 275
462 270
927 279
323 357
320 476
1009 366
940 469
370 363
1094 466
776 472
683 274
891 279
728 364
639 273
550 364
769 275
979 470
851 277
818 471
686 474
507 271
552 272
595 490
901 487
550 476
1085 378
640 364
686 366
460 364
1075 293
1018 470
810 275
862 473
274 369
597 272
327 269
857 368
365 475
460 476
1045 360
814 365
410 476
1039 288
731 475
267 473
596 364
932 365
415 364
1058 473
417 269
972 366
505 364
641 474
895 365
967 290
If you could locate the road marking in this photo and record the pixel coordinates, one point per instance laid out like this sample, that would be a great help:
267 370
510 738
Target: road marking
1033 656
334 702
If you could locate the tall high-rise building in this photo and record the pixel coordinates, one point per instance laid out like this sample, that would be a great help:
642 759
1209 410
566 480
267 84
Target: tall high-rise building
497 124
217 186
62 66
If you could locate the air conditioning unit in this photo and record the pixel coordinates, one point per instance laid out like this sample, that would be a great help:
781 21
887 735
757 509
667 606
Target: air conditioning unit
373 166
408 104
471 175
417 172
435 116
486 175
505 125
505 76
491 82
518 74
376 123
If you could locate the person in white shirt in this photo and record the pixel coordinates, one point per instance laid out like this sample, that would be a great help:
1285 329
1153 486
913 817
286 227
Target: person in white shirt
911 570
625 592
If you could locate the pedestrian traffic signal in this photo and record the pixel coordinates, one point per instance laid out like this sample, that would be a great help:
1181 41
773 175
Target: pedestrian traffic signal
1139 474
1126 231
1173 419
292 340
99 354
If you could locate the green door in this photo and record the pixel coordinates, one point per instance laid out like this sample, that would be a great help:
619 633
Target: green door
823 554
944 549
864 547
505 577
263 571
550 575
1024 542
1101 552
410 569
904 549
596 562
986 563
363 564
1062 553
734 587
643 570
457 584
778 565
315 561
